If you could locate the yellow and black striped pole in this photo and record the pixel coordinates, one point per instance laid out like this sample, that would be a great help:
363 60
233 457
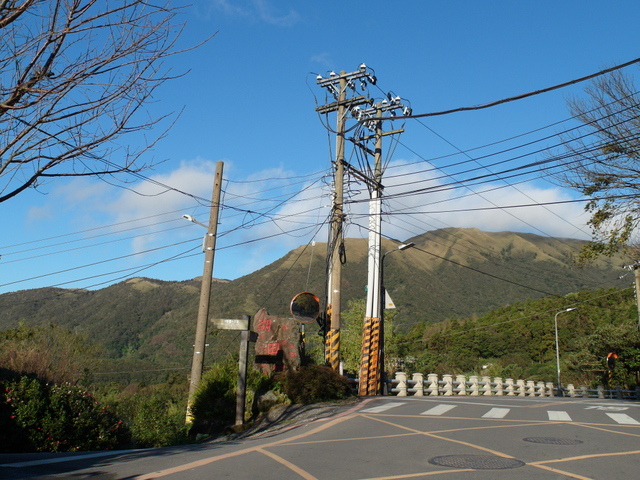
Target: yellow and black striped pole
363 386
333 348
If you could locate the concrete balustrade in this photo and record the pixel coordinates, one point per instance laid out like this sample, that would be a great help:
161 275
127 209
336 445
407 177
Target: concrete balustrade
420 386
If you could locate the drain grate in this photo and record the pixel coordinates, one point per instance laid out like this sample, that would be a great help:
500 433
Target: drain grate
553 440
477 462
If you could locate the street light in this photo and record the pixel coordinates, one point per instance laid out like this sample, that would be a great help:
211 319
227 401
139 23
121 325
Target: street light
401 247
193 220
555 322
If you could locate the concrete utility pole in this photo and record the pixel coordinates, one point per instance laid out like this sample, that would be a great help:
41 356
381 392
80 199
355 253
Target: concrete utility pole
371 368
197 364
338 85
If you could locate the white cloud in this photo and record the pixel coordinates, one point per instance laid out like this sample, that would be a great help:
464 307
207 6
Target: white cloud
257 11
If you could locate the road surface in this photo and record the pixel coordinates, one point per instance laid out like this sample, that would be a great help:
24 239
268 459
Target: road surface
384 438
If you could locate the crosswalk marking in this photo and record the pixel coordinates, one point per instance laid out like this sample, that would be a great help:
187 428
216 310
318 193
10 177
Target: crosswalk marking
497 413
557 416
623 419
439 409
382 408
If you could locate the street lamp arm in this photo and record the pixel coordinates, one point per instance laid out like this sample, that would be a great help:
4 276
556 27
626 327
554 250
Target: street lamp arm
193 220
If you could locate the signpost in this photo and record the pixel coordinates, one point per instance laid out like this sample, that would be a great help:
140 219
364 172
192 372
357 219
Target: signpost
243 324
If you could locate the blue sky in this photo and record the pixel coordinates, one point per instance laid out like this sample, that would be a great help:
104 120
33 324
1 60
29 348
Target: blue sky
249 100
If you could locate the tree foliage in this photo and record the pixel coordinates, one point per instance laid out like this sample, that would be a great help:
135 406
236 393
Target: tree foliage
51 353
604 163
74 77
518 341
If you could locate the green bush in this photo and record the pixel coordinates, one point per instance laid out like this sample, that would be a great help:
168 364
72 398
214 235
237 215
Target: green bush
155 414
314 383
157 421
40 417
214 403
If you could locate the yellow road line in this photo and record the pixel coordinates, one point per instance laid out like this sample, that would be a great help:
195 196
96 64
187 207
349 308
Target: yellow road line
209 460
303 473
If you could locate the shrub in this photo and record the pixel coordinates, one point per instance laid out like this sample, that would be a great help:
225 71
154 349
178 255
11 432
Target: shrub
314 383
214 403
157 421
36 416
155 414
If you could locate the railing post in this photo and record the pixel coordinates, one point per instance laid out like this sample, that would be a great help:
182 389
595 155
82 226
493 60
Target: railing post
401 377
585 391
419 385
448 384
475 388
549 389
540 389
531 388
499 386
486 386
461 380
637 392
600 391
511 389
432 378
522 392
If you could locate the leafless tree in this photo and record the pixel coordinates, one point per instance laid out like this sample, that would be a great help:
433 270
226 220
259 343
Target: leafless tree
603 161
75 76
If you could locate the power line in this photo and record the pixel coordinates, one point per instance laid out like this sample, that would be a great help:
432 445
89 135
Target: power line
521 96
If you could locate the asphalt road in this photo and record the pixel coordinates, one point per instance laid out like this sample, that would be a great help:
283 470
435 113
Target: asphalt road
393 438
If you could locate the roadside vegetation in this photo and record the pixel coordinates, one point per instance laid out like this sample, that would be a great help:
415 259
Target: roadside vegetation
51 399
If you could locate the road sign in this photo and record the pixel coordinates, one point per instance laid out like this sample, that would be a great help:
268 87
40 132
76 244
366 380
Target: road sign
388 303
231 323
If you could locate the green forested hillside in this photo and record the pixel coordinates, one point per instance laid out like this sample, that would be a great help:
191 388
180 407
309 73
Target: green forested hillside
451 273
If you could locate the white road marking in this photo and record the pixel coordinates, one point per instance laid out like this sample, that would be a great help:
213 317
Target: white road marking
611 409
497 413
439 409
382 408
558 416
623 419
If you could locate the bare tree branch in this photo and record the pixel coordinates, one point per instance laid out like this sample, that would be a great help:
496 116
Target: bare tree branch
605 165
75 77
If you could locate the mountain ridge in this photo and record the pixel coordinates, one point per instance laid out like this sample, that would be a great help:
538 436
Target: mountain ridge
450 273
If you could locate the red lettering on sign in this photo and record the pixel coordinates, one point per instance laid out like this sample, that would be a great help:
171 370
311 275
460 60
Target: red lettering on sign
272 348
264 324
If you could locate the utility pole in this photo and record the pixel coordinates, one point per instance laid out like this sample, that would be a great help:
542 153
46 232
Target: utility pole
337 86
197 364
372 358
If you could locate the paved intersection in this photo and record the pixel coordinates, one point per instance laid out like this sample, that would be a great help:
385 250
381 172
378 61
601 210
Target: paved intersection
389 438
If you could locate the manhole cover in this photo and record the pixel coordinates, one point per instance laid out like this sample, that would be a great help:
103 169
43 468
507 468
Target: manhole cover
477 462
553 440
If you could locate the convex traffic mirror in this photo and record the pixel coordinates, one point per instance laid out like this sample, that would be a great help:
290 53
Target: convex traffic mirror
305 307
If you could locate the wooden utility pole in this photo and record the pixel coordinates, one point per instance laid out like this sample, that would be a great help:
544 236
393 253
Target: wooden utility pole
197 364
338 85
337 241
